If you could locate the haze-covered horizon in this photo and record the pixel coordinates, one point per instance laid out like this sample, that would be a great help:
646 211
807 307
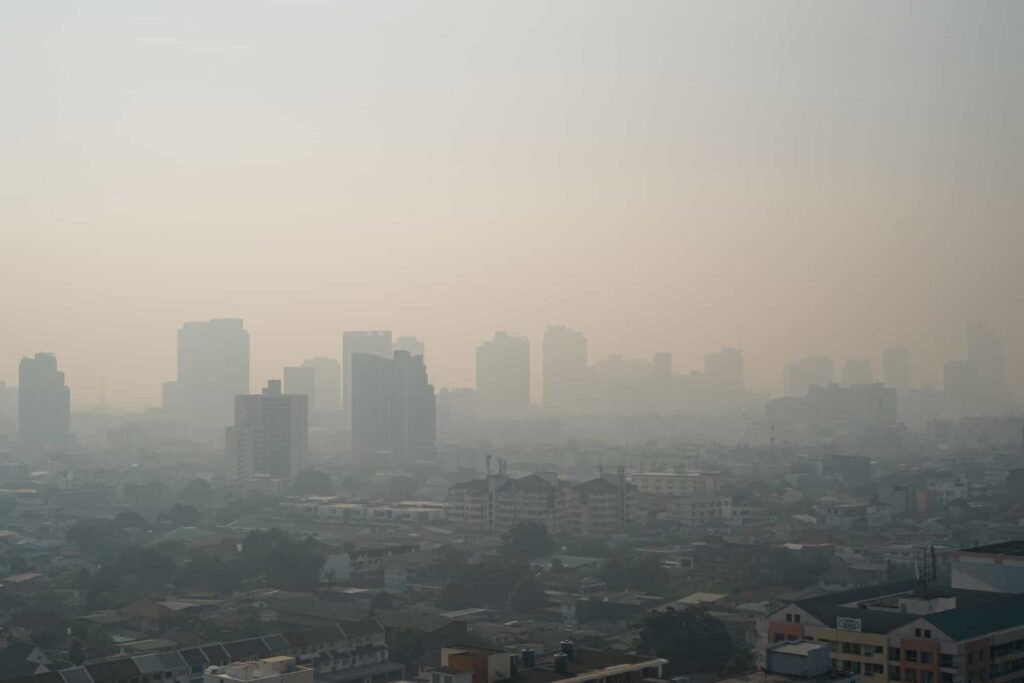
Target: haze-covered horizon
791 179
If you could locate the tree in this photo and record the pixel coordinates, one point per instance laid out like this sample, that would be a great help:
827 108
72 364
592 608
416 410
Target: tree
644 574
180 515
690 639
45 639
528 596
129 519
313 482
527 540
276 559
406 647
76 653
742 662
198 493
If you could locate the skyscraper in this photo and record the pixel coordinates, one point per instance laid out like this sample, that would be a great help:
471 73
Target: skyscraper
961 382
810 371
375 343
414 346
503 376
896 368
44 403
394 409
213 368
301 380
564 372
857 371
725 368
985 350
326 383
270 435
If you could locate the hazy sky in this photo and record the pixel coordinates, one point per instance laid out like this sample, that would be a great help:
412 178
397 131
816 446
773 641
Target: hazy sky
787 177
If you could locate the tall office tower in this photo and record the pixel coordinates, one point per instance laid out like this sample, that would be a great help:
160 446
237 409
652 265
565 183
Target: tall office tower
394 409
301 380
326 383
503 376
985 350
44 402
8 408
270 436
564 372
896 369
213 368
810 371
375 343
961 383
725 368
857 371
414 346
662 366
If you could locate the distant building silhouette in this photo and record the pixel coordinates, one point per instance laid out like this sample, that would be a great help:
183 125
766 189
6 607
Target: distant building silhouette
270 435
832 411
375 343
326 383
807 372
301 380
961 382
8 408
564 373
44 403
414 346
394 409
985 350
213 368
896 368
857 371
503 376
725 368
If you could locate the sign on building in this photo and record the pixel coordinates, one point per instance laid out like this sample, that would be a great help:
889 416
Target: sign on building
847 624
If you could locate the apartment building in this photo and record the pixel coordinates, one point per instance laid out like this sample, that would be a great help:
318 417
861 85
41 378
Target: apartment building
697 511
913 633
596 507
676 484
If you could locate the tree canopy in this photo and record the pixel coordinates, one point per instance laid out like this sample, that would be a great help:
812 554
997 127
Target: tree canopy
690 639
526 541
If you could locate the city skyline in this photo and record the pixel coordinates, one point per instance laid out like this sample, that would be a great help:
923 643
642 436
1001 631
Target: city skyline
793 179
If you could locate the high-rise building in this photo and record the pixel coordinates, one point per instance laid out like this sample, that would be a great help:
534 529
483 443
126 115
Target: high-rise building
725 368
503 376
213 368
394 409
326 384
564 374
301 380
807 372
8 408
270 436
857 371
896 368
414 346
44 402
961 384
374 343
985 350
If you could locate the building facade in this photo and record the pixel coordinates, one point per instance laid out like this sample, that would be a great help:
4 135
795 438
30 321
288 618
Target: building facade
44 403
503 376
213 368
270 436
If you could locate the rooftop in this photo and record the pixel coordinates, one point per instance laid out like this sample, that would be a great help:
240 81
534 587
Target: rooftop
1015 547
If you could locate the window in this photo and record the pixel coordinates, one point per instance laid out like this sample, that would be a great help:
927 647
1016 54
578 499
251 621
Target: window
947 678
910 655
927 677
946 660
779 637
789 618
926 657
894 673
910 675
796 618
